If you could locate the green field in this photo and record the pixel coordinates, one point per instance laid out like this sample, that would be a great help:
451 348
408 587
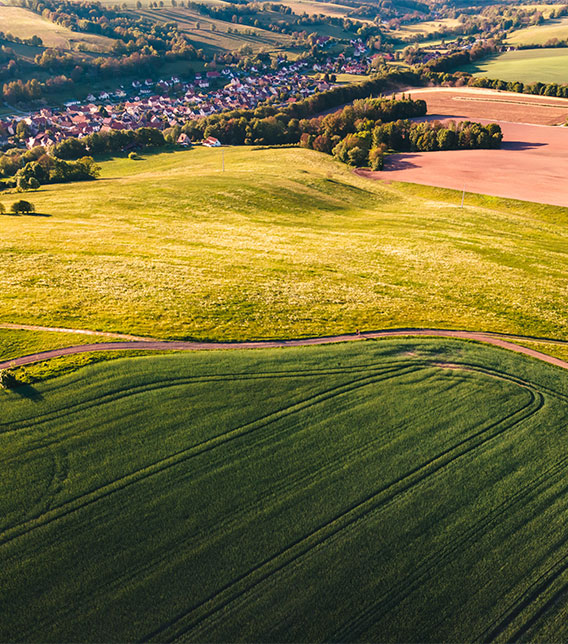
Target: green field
540 34
183 250
525 65
317 494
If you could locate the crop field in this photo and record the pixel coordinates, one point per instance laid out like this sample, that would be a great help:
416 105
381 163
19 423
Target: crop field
541 152
25 24
540 34
425 28
525 65
476 103
184 250
213 34
315 494
300 7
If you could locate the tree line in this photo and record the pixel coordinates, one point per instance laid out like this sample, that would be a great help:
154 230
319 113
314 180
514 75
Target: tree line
30 169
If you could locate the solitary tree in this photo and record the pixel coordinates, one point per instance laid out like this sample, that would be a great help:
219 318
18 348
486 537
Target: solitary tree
2 209
22 207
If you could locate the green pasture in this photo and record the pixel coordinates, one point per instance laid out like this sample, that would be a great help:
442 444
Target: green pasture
284 243
316 494
525 65
540 34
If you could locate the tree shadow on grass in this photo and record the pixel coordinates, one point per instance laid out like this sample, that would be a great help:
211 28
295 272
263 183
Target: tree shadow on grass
24 390
26 214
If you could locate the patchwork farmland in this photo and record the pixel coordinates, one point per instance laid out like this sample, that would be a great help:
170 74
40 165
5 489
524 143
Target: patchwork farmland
251 390
428 476
531 147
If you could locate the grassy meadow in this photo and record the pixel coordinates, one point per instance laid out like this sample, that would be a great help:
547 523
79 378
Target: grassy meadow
213 35
425 28
255 492
525 65
173 247
25 24
540 34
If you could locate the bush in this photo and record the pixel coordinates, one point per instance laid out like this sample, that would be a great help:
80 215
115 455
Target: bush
22 207
7 379
133 156
2 209
376 157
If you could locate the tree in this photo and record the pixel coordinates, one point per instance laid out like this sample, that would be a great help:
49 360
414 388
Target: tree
2 209
22 207
357 156
22 183
22 130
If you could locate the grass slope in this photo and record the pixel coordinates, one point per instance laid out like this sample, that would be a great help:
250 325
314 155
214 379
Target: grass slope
316 494
173 247
526 65
540 34
218 39
25 24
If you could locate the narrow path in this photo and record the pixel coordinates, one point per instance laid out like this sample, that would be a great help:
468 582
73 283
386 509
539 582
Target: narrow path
55 329
157 345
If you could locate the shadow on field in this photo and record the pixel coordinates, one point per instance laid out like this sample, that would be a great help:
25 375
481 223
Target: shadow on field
26 391
400 162
521 145
440 117
26 214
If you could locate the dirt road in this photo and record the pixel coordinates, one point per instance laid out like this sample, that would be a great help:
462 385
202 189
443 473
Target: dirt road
151 345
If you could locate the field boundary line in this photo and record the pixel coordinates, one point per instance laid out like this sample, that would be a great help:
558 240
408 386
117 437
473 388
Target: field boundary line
175 345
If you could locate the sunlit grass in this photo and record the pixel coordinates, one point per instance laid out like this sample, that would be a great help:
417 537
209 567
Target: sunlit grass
284 243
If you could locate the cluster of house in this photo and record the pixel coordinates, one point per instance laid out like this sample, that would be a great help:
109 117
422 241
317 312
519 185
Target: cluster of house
167 103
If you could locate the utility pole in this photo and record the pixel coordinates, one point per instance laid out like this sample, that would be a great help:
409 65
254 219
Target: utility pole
463 196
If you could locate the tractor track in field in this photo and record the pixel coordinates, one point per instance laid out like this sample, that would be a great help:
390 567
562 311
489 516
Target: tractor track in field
92 496
119 394
503 341
338 526
215 530
358 626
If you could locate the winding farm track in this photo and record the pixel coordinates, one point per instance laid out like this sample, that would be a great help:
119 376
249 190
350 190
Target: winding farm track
166 345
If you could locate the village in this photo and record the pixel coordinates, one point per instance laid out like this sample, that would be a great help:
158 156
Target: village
172 102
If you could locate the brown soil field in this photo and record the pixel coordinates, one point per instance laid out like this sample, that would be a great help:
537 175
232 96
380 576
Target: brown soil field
532 165
472 103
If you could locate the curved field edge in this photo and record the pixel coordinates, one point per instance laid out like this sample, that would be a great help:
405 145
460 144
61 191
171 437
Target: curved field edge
16 342
39 369
255 489
186 251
